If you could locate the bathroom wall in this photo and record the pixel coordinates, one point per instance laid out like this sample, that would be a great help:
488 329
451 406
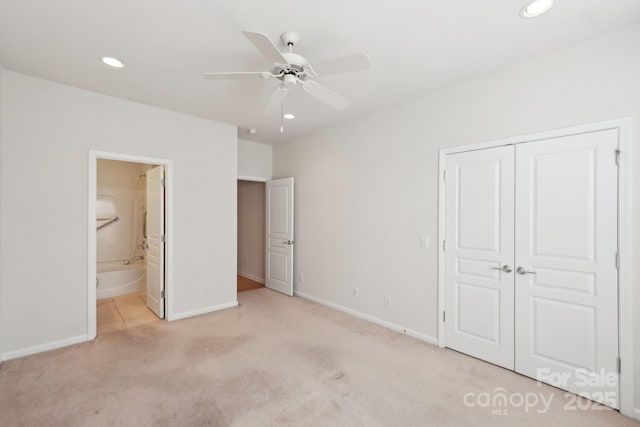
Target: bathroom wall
251 230
118 187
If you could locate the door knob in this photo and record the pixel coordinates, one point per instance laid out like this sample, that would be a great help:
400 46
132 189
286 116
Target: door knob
504 268
288 242
522 270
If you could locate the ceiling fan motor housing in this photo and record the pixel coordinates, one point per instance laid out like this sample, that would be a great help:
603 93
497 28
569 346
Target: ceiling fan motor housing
295 68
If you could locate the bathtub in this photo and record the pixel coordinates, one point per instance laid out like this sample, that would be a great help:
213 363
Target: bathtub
115 278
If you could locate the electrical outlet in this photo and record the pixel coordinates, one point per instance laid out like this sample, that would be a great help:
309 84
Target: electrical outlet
424 242
301 277
207 289
387 301
246 262
355 292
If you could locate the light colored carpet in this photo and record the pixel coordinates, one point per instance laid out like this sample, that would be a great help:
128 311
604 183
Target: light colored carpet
274 360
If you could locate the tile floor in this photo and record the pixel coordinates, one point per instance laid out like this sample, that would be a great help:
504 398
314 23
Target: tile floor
126 311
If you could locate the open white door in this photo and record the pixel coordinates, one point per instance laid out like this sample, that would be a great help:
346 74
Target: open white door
279 235
479 254
155 240
566 275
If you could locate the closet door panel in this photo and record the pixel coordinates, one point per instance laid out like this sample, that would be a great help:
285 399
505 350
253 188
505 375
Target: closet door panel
566 278
479 243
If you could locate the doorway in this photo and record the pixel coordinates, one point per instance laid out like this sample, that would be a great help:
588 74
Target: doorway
251 235
130 261
265 234
531 258
130 215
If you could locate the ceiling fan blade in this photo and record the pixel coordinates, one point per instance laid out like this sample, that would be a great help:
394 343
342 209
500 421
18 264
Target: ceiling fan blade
264 44
326 95
278 95
343 64
240 75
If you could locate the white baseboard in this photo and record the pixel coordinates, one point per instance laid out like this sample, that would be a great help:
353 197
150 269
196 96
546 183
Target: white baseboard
204 310
384 323
637 414
251 277
43 347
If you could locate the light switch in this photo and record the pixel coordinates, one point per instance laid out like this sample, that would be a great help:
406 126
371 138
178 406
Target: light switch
424 242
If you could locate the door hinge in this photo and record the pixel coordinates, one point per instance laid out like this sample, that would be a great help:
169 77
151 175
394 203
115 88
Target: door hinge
163 182
619 365
444 316
618 260
162 293
618 157
444 245
163 238
444 175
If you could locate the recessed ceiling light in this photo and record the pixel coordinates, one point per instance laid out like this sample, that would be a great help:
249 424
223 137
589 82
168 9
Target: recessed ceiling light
252 131
536 8
113 62
289 116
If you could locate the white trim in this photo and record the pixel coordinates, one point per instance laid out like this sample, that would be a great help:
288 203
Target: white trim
204 310
626 398
538 136
43 347
253 178
627 393
251 277
422 337
91 245
441 255
637 413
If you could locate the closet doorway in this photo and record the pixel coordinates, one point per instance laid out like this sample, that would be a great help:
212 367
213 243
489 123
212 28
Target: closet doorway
530 258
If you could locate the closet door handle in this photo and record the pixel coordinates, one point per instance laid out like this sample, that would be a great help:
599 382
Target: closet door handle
505 268
521 270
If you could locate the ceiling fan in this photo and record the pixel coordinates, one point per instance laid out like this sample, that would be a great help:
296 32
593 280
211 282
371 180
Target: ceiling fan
293 69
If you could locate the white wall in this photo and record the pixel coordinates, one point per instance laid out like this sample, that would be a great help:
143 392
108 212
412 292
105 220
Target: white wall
254 159
48 131
251 229
367 189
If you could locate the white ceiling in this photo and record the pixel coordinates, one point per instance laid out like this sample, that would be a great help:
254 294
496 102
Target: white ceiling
415 46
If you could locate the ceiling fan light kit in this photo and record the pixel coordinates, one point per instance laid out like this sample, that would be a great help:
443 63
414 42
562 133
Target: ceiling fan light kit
292 70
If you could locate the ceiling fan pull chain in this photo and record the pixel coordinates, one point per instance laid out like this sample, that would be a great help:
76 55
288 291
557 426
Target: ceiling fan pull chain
282 108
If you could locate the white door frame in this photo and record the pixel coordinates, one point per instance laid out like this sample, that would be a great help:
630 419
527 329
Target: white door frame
91 223
252 178
625 297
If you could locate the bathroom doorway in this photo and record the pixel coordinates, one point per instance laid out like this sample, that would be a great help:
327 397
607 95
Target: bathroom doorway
129 225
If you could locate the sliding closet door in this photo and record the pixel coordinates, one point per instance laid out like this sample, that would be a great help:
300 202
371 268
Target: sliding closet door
479 254
566 277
